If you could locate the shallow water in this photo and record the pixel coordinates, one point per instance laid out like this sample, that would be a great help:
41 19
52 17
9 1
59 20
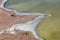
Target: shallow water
49 28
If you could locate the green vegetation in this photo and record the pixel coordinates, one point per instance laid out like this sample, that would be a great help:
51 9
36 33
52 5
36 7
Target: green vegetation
48 28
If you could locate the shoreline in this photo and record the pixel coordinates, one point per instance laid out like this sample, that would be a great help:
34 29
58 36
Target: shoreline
32 23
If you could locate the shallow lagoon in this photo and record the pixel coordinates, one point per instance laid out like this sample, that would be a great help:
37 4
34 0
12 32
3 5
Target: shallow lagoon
48 28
